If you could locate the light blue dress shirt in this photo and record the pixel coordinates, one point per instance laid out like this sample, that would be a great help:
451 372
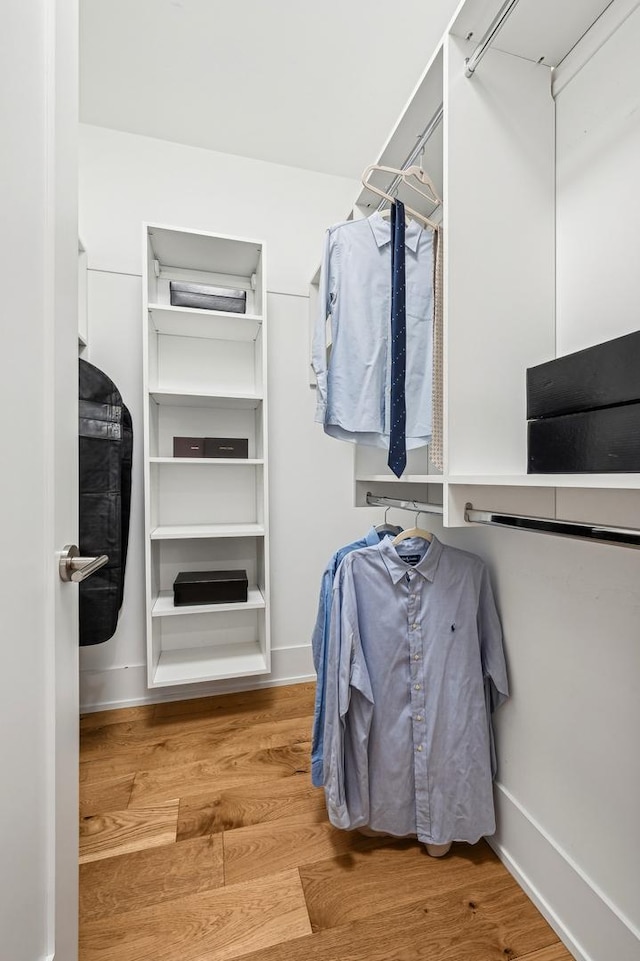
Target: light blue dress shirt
319 640
354 374
415 665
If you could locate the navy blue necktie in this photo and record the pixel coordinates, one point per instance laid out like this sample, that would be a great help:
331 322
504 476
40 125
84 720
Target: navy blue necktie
398 414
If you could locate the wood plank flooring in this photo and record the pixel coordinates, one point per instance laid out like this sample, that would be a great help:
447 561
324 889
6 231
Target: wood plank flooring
202 839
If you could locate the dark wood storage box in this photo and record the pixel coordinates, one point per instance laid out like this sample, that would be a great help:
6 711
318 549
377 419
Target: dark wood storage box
602 376
210 587
594 441
188 446
204 297
226 447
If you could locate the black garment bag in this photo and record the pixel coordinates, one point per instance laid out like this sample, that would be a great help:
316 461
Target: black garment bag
106 448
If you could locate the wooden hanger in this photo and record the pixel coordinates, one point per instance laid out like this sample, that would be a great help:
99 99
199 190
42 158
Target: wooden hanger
413 532
405 176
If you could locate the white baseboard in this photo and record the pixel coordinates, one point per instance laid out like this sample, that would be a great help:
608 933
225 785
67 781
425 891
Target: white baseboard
588 923
126 686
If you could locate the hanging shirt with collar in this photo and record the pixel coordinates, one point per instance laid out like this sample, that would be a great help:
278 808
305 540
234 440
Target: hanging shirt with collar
415 667
354 373
319 642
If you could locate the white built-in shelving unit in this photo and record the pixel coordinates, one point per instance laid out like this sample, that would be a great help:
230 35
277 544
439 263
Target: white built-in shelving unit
205 375
494 159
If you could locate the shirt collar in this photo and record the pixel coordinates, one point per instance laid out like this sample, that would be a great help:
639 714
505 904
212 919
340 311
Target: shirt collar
381 230
397 568
372 537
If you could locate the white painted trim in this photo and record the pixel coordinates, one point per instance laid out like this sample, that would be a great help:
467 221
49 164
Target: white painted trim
289 667
550 876
157 696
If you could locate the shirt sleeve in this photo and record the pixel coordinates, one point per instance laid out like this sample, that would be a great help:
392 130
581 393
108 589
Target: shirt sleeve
319 641
318 638
345 674
326 298
494 668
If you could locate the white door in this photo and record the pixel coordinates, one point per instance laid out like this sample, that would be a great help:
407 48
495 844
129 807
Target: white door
38 479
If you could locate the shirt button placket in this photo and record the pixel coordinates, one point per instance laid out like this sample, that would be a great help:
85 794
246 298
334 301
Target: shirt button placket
414 632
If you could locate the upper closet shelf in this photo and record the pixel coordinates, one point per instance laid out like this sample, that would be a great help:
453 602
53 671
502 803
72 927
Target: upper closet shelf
543 31
604 481
202 251
214 325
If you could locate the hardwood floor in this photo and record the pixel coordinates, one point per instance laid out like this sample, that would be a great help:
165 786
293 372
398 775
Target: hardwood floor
202 839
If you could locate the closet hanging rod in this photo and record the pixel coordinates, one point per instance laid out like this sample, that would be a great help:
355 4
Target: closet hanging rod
415 506
424 137
496 25
620 536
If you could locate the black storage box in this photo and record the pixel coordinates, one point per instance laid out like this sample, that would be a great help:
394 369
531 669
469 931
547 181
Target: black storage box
204 297
593 441
226 447
210 587
584 410
601 376
188 446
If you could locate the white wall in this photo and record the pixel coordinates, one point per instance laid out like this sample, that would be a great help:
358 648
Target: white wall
125 180
598 203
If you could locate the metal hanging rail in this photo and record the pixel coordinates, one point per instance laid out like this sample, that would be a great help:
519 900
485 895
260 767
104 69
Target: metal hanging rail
620 536
424 137
494 29
416 506
597 533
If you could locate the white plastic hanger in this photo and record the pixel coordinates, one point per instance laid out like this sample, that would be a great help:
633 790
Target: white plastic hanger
413 532
386 528
406 176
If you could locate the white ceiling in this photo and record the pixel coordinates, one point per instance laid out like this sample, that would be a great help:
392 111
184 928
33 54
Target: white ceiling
316 85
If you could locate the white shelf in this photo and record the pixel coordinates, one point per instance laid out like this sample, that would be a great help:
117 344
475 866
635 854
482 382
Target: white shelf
204 251
214 325
526 33
604 481
163 605
198 531
218 461
186 398
405 479
209 664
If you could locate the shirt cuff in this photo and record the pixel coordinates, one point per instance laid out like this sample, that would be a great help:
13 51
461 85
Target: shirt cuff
338 813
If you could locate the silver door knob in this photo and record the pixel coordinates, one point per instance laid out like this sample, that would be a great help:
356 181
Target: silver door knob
72 567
